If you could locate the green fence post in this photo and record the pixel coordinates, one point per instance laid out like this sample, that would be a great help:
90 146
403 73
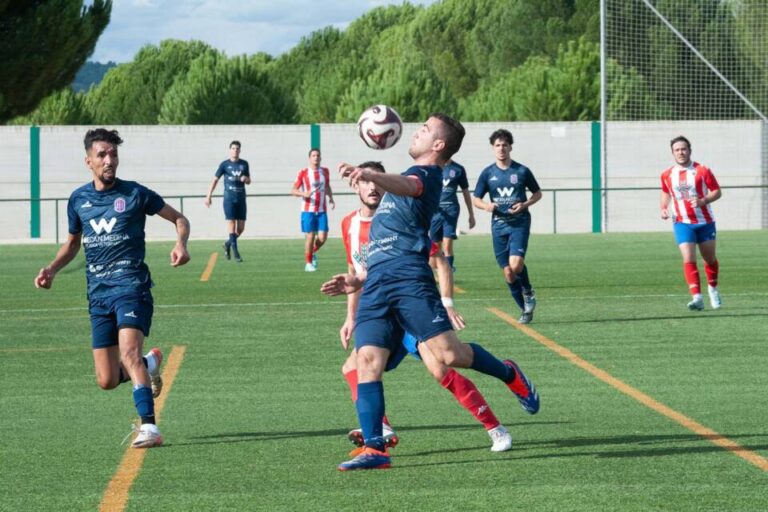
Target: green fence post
597 206
34 181
314 136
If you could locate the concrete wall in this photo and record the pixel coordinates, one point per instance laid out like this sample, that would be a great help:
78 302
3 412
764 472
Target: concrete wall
181 160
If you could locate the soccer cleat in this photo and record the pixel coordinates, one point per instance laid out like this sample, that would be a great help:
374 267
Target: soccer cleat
526 317
147 436
697 304
502 439
390 437
714 298
369 458
309 267
529 299
155 378
523 389
227 252
236 254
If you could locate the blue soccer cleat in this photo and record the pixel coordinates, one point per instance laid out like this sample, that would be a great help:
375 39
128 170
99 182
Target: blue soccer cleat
523 389
369 458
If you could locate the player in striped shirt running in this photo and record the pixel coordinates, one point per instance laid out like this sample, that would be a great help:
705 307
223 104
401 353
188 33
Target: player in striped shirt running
691 187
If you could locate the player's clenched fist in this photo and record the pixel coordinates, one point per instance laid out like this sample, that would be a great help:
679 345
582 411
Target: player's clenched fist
44 278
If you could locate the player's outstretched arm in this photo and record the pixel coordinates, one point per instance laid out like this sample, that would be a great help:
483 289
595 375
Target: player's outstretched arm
394 183
179 253
66 253
341 284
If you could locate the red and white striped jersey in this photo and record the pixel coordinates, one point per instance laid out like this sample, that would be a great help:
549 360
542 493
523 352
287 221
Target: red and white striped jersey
315 180
685 183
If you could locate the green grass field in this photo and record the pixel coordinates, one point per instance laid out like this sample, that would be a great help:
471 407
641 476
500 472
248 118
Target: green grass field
258 413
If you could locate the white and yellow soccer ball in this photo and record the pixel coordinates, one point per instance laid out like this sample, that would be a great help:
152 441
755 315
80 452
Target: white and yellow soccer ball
380 127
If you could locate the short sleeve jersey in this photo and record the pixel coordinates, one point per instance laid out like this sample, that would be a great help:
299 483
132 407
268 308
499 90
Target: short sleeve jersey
354 233
315 180
507 187
684 183
454 176
112 226
234 189
400 227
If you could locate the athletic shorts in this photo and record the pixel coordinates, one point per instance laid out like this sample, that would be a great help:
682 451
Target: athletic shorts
313 222
694 233
235 210
409 345
399 298
110 314
511 241
444 224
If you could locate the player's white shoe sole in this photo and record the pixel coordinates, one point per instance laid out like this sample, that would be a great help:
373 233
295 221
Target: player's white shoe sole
502 439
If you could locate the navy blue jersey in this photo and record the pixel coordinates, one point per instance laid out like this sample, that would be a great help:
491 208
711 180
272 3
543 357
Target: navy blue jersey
232 171
454 176
400 227
507 187
112 226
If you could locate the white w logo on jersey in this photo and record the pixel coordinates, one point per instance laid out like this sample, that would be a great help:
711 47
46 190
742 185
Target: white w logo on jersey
237 173
103 225
505 191
446 182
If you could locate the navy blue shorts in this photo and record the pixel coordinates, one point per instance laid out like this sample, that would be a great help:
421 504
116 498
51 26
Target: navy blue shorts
110 314
312 222
235 210
694 233
512 241
398 298
444 224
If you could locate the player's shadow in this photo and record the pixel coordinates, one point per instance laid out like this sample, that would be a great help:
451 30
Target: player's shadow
630 446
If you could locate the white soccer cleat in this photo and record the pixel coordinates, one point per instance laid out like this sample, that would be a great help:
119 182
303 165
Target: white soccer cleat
390 437
697 304
714 298
309 267
147 436
502 439
154 360
529 300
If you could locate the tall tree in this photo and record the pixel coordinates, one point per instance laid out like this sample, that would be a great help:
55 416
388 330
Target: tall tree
43 43
63 107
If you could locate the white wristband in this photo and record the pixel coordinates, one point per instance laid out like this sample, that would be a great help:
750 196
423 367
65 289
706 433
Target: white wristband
447 302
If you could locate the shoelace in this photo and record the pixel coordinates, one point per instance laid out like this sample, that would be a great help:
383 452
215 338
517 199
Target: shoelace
134 430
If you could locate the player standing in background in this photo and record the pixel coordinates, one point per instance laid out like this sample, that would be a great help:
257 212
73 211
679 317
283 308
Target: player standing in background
237 175
445 221
107 216
313 184
354 229
693 187
505 181
400 293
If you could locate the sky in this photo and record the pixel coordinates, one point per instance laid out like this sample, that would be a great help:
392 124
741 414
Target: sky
235 27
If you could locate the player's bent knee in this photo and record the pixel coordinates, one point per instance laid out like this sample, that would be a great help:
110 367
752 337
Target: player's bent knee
107 382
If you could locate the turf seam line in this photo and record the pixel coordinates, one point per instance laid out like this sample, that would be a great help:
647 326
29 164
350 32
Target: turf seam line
116 495
646 400
209 267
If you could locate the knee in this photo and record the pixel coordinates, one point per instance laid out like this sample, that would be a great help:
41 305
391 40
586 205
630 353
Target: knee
509 275
348 366
107 382
516 268
438 371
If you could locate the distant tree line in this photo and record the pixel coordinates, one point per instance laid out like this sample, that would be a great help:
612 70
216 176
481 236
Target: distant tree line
482 60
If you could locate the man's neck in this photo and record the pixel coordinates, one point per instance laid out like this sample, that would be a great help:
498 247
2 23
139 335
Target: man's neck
504 164
367 211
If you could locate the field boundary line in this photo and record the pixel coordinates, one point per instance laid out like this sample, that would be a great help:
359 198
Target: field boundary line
692 425
209 267
116 495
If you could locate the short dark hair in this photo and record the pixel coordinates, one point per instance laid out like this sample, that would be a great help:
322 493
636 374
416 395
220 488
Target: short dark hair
101 135
314 149
502 134
376 166
453 136
235 143
680 138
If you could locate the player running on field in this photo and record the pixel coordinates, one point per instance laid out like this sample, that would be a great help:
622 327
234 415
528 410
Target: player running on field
107 217
445 222
505 181
400 294
355 228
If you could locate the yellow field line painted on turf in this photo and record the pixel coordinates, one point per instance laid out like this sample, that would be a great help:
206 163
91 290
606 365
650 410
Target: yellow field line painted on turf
209 268
459 290
116 496
695 427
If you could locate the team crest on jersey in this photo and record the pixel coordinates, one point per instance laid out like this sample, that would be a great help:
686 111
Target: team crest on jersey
119 205
513 179
452 173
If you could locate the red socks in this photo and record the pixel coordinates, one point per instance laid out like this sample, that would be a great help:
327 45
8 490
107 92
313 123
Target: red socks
470 398
692 277
712 271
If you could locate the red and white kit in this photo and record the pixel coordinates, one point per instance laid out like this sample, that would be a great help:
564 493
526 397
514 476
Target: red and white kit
685 183
315 180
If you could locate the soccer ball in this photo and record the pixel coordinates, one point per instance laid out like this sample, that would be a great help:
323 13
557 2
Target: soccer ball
380 127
